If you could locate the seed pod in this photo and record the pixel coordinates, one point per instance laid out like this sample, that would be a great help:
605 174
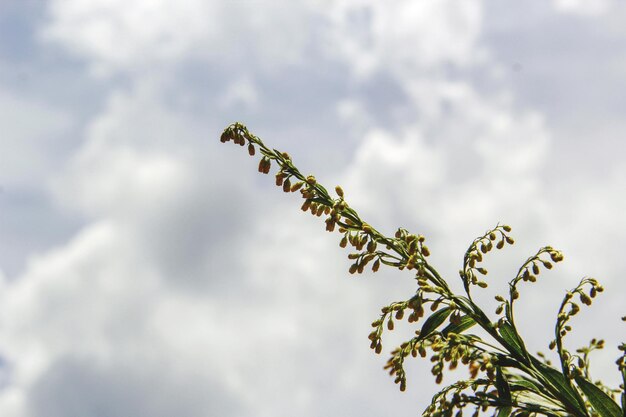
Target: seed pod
500 244
506 228
251 149
344 242
399 314
306 205
425 250
390 324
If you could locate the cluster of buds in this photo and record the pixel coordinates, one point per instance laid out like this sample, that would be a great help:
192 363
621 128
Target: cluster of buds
531 268
575 365
621 361
474 255
414 248
395 310
570 308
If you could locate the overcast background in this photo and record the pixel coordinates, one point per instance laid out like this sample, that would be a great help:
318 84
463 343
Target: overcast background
148 270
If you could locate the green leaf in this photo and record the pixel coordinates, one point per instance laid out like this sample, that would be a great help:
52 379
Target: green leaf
524 384
433 322
466 323
510 336
598 399
502 385
561 384
505 411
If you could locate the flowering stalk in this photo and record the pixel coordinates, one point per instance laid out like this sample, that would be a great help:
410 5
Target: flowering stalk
504 376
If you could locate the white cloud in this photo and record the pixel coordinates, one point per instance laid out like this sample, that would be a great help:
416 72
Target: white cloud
406 37
147 35
584 8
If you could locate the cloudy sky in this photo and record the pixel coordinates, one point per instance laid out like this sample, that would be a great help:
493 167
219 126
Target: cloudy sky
148 270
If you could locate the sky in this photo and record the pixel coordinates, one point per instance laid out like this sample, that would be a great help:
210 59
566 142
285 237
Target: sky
146 269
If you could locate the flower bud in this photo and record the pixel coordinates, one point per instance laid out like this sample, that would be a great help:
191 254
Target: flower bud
251 149
296 186
376 265
584 298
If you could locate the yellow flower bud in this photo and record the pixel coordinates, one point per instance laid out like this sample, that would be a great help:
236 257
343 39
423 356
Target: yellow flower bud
296 186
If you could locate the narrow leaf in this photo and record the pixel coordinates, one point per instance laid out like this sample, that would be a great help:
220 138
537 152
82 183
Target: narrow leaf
562 385
523 384
465 323
511 337
433 322
598 399
502 385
